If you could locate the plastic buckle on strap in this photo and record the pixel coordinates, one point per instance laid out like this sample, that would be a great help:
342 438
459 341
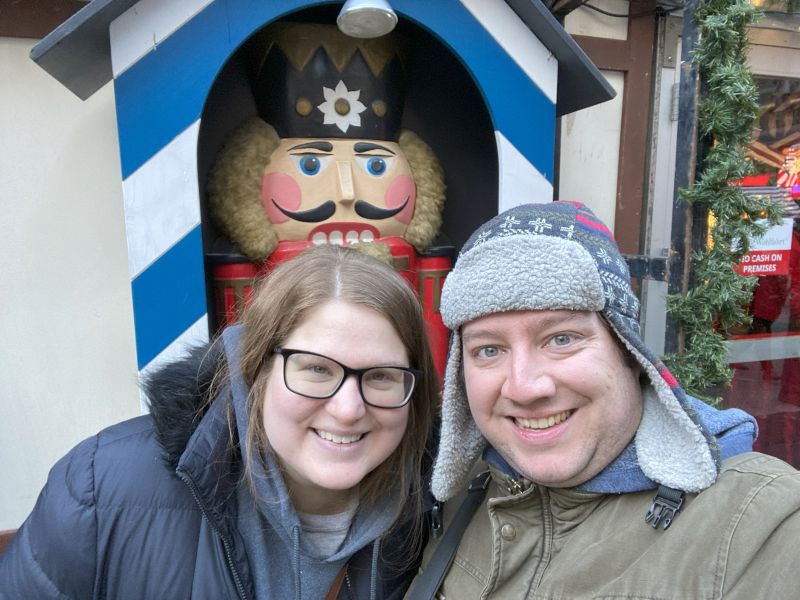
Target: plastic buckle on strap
436 520
480 482
665 506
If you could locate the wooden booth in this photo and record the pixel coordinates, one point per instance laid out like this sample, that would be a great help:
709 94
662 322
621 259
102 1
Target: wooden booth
483 84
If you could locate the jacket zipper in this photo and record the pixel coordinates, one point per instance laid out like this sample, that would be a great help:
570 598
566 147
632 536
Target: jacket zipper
547 535
226 546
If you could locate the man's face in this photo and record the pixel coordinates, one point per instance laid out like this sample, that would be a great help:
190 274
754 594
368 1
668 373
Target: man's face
551 391
338 191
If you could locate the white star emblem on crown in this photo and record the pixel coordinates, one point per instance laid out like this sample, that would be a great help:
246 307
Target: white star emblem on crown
339 101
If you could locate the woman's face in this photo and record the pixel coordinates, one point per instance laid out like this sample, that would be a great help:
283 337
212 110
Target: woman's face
326 447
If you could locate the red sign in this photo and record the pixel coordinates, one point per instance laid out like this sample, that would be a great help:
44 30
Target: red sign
769 254
764 262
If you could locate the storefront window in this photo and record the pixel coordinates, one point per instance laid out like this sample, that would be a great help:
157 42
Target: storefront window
778 6
766 356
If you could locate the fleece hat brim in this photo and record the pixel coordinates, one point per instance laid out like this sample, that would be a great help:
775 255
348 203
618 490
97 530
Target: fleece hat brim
558 256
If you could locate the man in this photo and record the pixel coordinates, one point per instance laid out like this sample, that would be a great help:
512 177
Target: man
604 479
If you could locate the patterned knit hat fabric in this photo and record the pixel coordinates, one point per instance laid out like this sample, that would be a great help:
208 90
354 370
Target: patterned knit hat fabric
560 256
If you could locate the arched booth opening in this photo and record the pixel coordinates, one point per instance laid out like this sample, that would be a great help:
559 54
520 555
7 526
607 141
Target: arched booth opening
441 103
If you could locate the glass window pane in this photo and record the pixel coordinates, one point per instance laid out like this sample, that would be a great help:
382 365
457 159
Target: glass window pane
766 355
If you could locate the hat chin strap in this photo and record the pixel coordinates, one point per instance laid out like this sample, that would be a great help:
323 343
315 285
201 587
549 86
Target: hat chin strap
461 442
671 447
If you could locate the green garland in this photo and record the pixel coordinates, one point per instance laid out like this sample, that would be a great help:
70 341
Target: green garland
719 297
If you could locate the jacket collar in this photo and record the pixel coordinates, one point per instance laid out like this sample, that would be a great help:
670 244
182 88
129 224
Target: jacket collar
193 432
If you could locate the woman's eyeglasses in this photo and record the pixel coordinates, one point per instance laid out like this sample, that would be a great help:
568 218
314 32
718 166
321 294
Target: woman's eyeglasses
316 376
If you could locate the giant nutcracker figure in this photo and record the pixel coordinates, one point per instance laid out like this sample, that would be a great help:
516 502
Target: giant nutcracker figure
327 162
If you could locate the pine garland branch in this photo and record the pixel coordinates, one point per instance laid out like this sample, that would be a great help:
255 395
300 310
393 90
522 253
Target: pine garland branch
720 297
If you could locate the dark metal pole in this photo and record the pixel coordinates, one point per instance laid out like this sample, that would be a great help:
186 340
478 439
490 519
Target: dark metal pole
685 167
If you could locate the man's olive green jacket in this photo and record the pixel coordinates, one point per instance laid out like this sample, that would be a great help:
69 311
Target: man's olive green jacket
739 540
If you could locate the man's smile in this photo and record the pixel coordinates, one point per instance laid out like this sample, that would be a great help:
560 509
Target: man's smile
543 423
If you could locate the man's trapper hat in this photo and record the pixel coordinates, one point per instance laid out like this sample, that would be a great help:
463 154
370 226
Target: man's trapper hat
559 256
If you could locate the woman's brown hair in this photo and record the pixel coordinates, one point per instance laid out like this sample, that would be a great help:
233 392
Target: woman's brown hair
282 300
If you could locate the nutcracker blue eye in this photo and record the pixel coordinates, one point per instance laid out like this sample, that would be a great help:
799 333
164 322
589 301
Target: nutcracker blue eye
311 164
377 166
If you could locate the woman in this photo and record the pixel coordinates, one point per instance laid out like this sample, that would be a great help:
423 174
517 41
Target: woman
283 462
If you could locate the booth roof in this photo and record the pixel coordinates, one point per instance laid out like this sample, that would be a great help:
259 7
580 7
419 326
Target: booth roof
78 53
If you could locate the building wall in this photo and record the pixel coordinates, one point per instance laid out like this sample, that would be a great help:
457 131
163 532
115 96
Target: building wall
596 146
589 161
67 361
590 138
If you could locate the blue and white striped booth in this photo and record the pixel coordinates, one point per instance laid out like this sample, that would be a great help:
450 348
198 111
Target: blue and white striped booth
491 78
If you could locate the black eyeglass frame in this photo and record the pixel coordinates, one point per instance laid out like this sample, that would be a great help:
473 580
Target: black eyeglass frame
287 352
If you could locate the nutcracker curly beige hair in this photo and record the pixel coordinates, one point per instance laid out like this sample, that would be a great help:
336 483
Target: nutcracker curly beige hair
234 189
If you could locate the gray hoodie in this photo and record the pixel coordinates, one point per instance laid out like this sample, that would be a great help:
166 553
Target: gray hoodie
284 563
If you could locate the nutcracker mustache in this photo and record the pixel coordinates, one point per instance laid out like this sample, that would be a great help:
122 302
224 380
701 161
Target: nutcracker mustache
369 211
327 209
314 215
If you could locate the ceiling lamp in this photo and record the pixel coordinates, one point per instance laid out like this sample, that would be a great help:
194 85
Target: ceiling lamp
366 18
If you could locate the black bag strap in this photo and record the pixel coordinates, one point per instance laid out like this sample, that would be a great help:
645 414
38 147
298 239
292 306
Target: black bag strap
430 581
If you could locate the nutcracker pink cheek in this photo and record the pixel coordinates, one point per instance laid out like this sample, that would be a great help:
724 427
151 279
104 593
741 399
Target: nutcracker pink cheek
402 191
280 189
